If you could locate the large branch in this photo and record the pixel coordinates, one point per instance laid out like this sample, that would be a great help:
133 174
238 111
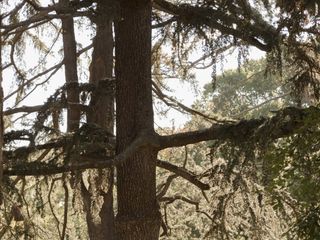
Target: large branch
216 132
43 13
84 162
286 122
40 169
37 108
251 33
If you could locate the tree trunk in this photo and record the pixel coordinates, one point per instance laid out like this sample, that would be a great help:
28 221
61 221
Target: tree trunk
138 215
71 75
101 226
1 121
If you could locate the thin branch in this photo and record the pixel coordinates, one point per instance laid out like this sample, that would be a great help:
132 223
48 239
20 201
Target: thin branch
181 172
179 106
169 200
165 186
260 105
51 206
44 15
14 11
164 23
53 68
206 214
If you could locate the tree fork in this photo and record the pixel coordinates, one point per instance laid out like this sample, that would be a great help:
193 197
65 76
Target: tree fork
138 212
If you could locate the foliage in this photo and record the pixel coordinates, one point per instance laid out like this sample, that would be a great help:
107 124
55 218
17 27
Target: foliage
266 182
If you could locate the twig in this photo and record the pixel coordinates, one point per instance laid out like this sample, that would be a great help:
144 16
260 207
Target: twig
53 68
178 106
166 186
260 105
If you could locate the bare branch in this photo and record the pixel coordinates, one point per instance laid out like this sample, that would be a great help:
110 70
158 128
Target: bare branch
260 105
166 185
169 200
25 109
171 102
164 23
216 132
181 172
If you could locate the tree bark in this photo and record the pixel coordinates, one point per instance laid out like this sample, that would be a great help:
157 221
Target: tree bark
70 63
101 226
138 215
1 121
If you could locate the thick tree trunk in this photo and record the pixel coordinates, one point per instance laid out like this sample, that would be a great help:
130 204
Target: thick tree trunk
71 75
1 121
102 113
138 215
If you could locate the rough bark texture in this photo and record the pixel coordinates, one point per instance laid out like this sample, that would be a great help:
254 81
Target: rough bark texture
101 223
70 63
138 215
1 121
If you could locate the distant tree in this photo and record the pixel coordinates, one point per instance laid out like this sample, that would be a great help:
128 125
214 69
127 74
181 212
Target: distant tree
256 194
240 93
